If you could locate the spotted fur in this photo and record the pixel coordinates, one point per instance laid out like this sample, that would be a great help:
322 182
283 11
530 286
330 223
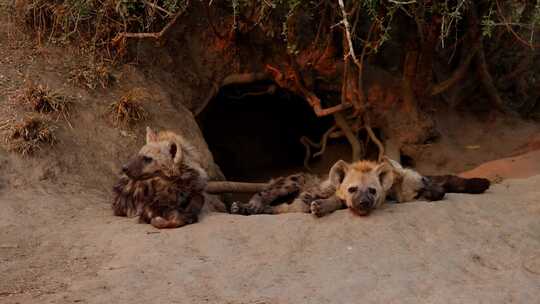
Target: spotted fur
361 187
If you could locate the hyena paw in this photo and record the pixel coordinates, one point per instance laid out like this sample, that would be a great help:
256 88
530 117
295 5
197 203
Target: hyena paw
159 222
316 209
255 208
307 198
235 208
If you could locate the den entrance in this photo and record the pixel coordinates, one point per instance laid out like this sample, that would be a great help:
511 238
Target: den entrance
255 136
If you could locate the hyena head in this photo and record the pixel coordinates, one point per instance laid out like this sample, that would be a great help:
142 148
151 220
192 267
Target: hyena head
156 157
362 185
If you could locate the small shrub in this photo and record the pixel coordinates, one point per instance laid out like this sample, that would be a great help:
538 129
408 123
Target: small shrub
41 99
28 136
92 75
128 109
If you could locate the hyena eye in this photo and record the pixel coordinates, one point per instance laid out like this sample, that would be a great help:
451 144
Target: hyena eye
352 189
147 159
372 191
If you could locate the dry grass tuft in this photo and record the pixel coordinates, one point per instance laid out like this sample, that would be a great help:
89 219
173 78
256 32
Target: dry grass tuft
41 99
92 75
28 136
128 109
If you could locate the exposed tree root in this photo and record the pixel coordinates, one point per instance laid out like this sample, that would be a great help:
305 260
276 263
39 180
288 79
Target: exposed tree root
215 187
350 131
308 144
392 150
270 90
487 81
341 122
324 140
294 82
482 69
244 78
376 141
241 78
458 73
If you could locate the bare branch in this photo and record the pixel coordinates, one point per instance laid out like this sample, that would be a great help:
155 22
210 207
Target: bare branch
511 30
156 35
347 26
402 2
159 8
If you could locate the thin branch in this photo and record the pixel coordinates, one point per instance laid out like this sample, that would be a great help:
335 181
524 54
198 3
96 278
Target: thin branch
402 2
155 35
159 8
362 94
511 30
351 54
347 26
209 19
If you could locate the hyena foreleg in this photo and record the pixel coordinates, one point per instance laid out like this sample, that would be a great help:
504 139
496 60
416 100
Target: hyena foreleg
324 206
278 191
166 216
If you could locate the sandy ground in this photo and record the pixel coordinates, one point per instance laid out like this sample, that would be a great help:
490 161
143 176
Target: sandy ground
65 247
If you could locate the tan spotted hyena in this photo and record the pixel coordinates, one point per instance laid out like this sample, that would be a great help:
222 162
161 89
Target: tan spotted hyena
361 187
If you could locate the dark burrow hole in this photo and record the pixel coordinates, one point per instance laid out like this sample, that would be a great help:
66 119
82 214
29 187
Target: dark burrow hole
406 161
254 137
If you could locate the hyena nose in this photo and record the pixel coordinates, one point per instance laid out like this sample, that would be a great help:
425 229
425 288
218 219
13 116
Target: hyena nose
124 169
366 204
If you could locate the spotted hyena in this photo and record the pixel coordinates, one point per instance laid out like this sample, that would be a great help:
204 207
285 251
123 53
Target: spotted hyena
163 183
360 186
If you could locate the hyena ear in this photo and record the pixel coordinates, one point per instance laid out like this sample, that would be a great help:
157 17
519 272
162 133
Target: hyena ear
392 162
151 136
338 172
176 153
386 175
173 149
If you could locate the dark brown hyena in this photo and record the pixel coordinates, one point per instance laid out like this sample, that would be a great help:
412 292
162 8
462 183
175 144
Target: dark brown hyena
163 184
161 201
